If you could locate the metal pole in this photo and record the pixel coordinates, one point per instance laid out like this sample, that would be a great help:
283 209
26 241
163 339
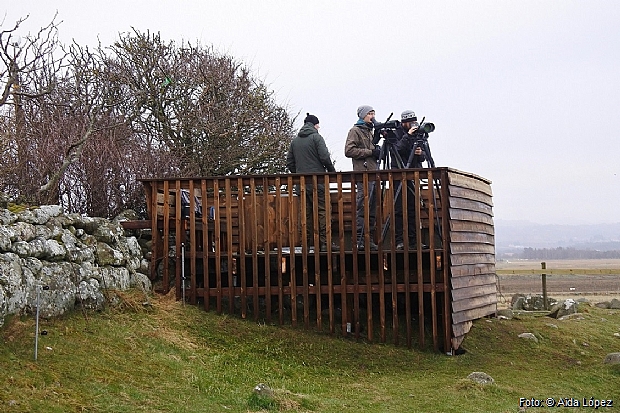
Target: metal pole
183 270
544 285
36 329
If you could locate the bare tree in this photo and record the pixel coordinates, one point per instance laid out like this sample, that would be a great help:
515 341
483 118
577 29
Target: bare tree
82 128
28 68
205 108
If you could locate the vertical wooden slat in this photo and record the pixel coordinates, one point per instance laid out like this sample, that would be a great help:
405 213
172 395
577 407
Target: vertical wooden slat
380 261
279 235
254 247
156 248
242 244
192 244
342 275
367 250
328 232
179 236
431 236
292 229
304 249
206 247
394 280
356 286
166 249
418 255
317 256
218 245
406 256
266 233
229 246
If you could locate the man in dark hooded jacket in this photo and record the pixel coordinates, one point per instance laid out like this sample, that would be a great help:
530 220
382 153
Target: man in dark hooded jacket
308 154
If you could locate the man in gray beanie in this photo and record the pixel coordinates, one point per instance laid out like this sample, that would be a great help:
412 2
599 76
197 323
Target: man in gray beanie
364 154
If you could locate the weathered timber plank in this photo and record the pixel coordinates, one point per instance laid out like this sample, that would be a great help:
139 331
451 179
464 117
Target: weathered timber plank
468 174
473 280
466 226
473 302
472 269
469 205
461 329
458 192
457 341
464 215
474 313
472 237
470 293
471 247
462 259
136 224
469 182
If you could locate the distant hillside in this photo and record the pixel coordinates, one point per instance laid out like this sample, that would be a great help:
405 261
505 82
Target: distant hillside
516 235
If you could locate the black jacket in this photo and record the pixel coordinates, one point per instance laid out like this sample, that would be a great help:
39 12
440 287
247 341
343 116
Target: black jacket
404 144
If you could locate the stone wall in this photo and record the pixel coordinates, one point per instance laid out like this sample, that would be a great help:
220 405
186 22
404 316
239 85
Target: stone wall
79 258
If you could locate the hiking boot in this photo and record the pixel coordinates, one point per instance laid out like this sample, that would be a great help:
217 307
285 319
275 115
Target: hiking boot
335 247
373 246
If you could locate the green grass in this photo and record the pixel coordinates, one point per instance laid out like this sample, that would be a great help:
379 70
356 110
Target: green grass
173 358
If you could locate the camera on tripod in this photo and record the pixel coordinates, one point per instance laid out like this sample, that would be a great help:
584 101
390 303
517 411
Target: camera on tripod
424 127
385 130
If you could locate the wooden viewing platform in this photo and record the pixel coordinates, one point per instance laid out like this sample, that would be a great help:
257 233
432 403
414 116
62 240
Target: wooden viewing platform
239 245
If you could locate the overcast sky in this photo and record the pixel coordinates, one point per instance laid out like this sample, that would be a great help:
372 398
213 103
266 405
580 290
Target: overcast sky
524 93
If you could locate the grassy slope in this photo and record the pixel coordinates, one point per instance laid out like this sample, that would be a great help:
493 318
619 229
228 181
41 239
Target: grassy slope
174 358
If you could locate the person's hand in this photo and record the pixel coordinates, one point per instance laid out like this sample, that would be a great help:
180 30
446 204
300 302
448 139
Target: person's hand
376 153
418 151
414 128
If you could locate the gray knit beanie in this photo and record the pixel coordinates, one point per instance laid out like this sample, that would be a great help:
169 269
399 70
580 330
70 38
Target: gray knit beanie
363 110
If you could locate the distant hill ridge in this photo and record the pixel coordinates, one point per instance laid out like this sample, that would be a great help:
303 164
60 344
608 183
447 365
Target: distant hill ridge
520 234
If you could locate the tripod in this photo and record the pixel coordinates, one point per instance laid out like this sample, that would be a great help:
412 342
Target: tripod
390 153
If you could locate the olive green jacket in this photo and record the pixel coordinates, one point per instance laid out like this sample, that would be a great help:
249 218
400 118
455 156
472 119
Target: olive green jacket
308 152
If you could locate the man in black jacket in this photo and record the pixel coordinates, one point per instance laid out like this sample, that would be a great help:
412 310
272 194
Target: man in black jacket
405 145
308 154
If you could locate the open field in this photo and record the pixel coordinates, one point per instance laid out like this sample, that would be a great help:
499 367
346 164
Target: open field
595 280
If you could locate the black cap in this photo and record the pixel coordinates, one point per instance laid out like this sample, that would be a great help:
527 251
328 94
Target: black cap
312 119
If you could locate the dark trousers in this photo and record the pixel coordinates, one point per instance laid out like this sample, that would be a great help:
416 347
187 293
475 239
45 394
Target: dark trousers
398 213
372 206
320 192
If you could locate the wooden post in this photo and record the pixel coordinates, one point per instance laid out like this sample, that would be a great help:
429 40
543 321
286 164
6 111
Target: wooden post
544 285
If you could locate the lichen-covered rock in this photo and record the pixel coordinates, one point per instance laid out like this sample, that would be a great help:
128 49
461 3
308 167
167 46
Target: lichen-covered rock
612 358
7 217
564 308
5 239
481 378
114 278
108 232
89 295
106 255
77 257
23 231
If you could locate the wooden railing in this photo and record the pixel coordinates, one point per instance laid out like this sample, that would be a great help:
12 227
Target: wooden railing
245 246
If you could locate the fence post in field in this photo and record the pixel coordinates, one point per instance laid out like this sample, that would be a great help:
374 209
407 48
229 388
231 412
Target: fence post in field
544 285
